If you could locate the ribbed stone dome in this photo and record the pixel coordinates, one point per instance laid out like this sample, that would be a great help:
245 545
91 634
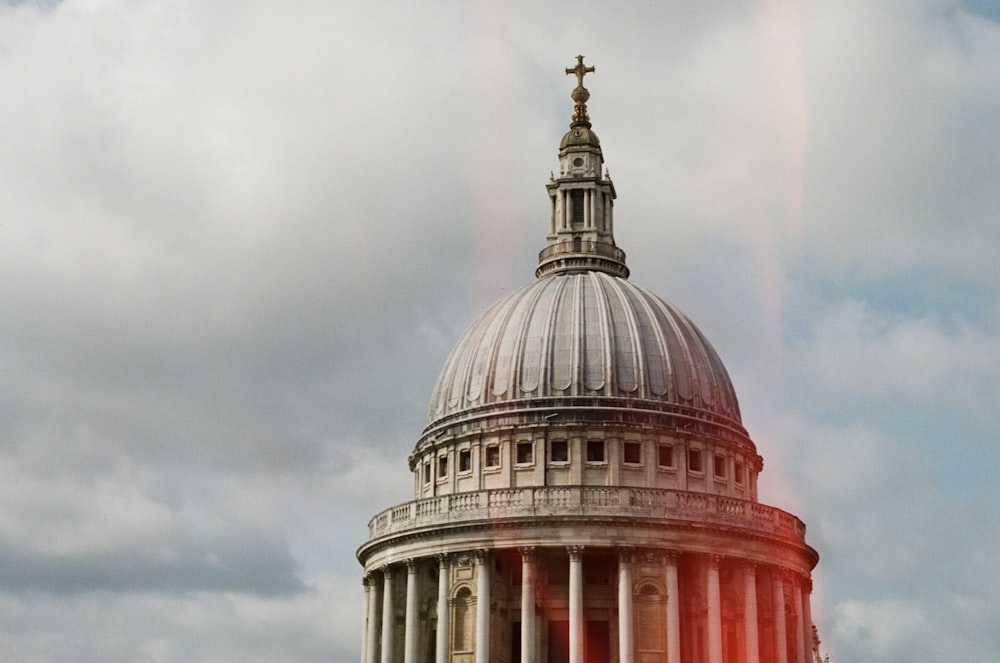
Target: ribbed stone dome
585 334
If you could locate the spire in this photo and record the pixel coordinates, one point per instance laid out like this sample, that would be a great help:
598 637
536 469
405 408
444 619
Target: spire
581 236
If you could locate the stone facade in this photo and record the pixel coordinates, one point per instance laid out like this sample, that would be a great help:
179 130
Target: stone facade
584 491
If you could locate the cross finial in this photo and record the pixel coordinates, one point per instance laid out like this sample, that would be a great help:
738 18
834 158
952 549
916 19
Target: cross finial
580 70
580 94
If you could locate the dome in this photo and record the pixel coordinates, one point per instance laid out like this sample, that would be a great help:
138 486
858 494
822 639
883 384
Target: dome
590 335
580 136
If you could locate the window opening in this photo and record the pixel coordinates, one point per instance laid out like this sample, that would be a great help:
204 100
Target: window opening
442 467
576 206
633 453
493 456
694 460
719 466
595 451
665 455
524 452
464 460
558 451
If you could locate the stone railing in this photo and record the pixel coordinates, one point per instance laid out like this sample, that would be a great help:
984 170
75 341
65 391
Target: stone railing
584 247
585 501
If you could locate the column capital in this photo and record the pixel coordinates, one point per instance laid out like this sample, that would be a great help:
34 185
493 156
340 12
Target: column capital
411 565
671 556
714 561
527 552
574 552
442 559
626 554
750 567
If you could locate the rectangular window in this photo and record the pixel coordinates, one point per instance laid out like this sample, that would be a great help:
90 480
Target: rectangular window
576 206
595 451
465 460
524 452
665 455
633 453
558 451
493 456
427 472
738 472
719 466
694 460
442 466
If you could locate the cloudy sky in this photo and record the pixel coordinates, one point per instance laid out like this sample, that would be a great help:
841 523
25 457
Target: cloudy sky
238 239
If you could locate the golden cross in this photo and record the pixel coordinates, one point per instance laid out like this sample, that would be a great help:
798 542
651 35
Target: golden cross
580 70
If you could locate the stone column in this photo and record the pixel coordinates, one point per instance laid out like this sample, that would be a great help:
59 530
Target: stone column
800 631
528 654
714 610
371 645
410 634
367 622
673 611
575 604
807 619
387 616
780 639
750 613
482 607
444 618
626 619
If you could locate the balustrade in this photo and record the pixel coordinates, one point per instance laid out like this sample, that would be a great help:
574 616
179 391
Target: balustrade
594 500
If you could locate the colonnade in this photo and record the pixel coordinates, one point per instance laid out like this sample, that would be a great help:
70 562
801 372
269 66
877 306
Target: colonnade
379 642
596 211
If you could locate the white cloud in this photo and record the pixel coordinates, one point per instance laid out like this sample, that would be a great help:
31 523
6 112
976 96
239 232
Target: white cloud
860 354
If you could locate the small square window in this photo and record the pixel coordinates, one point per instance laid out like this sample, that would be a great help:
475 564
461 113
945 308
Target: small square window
665 455
595 451
493 456
719 466
694 460
524 454
738 472
465 460
633 453
442 467
558 451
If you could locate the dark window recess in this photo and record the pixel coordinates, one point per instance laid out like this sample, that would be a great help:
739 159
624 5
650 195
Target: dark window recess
694 460
558 451
427 472
633 453
576 206
738 472
493 456
524 452
442 466
595 451
464 460
665 455
719 466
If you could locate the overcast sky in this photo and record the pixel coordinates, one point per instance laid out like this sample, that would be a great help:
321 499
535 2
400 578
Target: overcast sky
239 238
